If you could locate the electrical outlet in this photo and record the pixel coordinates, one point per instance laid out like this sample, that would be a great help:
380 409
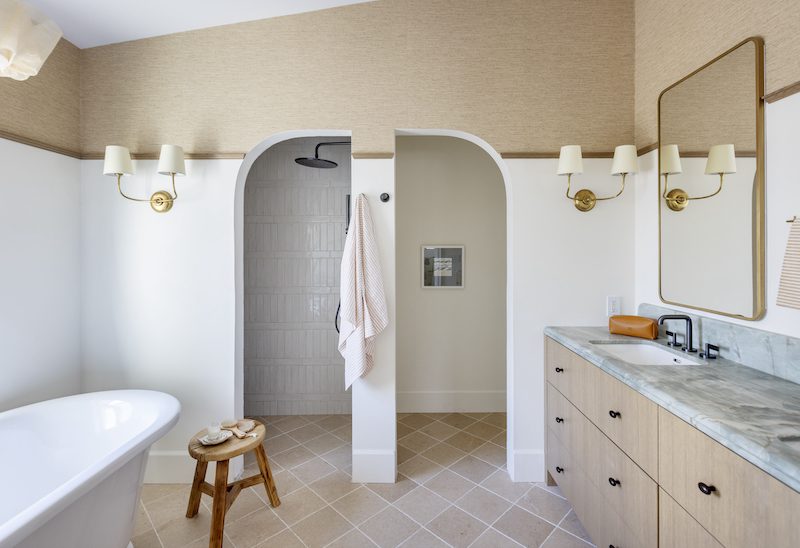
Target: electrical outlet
613 305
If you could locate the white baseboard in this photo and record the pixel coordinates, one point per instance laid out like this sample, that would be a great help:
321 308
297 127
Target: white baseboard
527 466
451 401
374 466
178 467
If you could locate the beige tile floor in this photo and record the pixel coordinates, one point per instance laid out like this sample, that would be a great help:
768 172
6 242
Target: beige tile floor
452 490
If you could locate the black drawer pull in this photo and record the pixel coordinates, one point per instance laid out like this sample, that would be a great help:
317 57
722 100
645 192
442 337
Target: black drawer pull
706 489
559 470
614 482
611 546
559 369
559 419
614 414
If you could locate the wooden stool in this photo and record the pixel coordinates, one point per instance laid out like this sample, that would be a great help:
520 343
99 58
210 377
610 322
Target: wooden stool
222 492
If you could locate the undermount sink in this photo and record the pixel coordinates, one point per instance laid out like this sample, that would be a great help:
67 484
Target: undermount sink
644 354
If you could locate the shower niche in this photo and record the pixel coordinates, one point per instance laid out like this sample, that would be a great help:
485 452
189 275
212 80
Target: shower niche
295 210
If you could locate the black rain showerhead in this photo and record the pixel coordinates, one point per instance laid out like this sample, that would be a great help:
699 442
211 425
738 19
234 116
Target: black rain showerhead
317 162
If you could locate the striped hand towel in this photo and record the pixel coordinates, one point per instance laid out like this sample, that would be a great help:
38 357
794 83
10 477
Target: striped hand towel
789 288
364 313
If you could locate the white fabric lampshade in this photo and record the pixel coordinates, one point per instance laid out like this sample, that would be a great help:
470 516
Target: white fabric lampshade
117 160
27 38
570 160
721 159
625 160
171 160
670 160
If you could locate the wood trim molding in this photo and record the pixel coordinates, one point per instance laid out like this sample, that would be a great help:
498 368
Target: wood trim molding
647 148
782 93
39 144
188 155
373 155
549 155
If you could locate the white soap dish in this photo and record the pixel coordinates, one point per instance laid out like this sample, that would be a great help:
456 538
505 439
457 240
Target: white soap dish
224 435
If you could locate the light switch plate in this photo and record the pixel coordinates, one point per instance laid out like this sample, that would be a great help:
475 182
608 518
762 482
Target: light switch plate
613 305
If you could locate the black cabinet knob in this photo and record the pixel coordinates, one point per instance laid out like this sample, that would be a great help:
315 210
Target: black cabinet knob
614 482
611 546
559 470
559 369
706 489
614 414
559 420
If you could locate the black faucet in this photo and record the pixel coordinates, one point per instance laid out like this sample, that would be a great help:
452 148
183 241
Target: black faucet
688 338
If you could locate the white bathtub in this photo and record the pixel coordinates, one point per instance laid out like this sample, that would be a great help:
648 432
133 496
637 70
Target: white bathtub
73 467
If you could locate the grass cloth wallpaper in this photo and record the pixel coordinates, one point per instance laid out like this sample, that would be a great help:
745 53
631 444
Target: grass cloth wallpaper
527 76
523 75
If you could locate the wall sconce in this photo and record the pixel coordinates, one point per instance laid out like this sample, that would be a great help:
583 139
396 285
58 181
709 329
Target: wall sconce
570 161
170 162
721 161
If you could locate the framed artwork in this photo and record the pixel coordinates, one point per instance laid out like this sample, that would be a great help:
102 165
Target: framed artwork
443 266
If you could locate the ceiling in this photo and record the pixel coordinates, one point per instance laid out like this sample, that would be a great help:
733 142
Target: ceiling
89 23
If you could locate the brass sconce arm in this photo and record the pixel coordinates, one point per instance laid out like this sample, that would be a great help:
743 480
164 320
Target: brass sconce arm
585 199
161 201
677 199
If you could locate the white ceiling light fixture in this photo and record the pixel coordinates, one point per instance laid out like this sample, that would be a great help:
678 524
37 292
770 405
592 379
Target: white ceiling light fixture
27 38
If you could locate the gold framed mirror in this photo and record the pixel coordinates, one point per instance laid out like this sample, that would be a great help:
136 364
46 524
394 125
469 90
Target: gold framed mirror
711 186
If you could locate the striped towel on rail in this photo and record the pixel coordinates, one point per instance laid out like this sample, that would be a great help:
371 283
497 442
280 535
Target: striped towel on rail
789 288
364 313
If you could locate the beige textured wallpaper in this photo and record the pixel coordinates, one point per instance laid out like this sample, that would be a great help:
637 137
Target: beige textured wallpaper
676 37
45 109
525 76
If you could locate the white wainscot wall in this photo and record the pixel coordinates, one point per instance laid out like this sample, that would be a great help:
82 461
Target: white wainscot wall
40 275
159 296
563 265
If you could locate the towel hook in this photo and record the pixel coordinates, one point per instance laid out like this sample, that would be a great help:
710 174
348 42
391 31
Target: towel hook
793 219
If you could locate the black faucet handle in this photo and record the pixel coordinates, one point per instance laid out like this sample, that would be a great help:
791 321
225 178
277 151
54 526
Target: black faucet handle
672 338
707 352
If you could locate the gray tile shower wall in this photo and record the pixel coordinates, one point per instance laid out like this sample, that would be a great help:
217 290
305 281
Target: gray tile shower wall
294 223
771 353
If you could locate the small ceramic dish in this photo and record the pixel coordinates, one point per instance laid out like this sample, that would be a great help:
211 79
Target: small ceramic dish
224 435
246 425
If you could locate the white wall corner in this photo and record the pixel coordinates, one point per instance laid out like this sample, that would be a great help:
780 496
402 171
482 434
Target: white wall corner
527 465
374 466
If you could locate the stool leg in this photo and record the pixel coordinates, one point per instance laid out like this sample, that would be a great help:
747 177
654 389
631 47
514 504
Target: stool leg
266 473
220 504
196 494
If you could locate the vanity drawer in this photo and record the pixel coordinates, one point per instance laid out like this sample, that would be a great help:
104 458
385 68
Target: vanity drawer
604 525
567 372
625 488
677 529
627 417
561 417
559 464
747 507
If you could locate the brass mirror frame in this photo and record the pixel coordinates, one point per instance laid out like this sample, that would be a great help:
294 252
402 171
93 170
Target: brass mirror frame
759 231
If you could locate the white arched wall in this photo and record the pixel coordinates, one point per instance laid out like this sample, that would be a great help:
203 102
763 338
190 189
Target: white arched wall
374 405
501 165
559 278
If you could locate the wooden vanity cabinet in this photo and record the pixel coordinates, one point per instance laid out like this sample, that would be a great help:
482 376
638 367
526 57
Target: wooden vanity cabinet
633 471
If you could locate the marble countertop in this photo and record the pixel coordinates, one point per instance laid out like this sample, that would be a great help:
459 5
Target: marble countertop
755 415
